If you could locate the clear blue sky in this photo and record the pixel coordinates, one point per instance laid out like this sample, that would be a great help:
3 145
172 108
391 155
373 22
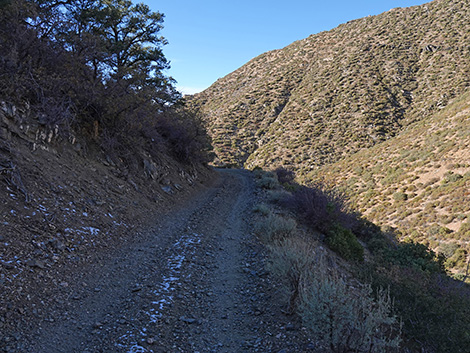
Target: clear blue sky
208 39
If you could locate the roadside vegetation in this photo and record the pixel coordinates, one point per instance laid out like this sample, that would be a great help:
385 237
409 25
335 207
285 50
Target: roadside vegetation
96 70
356 286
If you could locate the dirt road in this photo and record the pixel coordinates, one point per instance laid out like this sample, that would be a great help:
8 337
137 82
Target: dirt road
195 282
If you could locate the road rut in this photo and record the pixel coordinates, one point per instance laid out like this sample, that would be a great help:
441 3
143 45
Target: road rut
195 282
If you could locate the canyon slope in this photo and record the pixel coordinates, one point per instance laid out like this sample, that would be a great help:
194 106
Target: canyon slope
334 93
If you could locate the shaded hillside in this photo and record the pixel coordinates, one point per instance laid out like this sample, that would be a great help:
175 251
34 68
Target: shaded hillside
65 205
333 93
417 182
323 257
89 151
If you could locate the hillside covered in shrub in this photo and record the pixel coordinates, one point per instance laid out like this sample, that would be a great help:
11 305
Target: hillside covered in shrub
354 285
416 183
331 94
377 107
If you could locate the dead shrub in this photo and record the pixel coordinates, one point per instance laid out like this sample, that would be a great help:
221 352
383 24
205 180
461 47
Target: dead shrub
320 208
289 261
346 318
275 228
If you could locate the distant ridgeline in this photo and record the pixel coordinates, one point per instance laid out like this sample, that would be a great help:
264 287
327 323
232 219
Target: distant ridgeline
377 107
329 95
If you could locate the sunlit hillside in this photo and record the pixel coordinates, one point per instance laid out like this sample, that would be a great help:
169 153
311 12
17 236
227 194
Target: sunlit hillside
329 95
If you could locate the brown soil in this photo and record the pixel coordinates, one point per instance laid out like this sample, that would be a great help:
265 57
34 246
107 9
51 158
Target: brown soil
94 258
194 281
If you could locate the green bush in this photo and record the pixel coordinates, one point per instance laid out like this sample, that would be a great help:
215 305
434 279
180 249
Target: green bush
448 249
416 256
464 229
345 243
268 181
451 177
437 229
458 259
262 208
400 196
278 196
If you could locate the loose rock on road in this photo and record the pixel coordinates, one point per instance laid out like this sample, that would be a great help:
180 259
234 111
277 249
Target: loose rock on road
196 282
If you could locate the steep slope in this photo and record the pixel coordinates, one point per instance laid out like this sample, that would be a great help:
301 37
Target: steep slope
417 182
333 93
64 205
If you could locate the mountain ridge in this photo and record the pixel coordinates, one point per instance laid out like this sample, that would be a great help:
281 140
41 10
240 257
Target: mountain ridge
376 107
345 89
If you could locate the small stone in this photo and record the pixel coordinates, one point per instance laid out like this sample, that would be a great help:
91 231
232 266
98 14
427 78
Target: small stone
136 288
8 265
290 327
167 189
187 320
150 340
57 244
35 263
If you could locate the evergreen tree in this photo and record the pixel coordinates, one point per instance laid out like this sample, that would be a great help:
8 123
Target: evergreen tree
119 40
